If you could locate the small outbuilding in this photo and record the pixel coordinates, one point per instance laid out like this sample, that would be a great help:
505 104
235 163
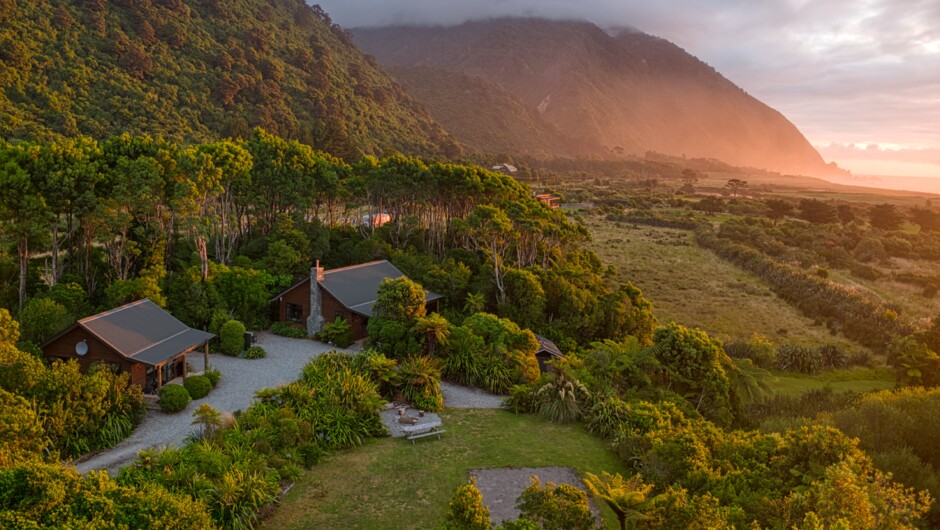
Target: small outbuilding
347 292
547 351
139 338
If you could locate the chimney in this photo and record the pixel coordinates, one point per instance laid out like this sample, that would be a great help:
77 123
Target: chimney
315 319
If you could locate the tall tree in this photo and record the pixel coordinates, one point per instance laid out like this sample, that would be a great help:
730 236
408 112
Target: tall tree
489 230
885 216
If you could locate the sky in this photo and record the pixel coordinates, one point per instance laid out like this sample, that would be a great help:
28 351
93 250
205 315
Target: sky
860 78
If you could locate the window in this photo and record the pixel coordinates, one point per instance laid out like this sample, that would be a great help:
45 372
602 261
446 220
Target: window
294 312
337 315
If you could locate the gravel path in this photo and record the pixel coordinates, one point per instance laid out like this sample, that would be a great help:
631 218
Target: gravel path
501 487
235 391
461 397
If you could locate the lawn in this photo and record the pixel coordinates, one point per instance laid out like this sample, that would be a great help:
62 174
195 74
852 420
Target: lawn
849 380
694 287
392 483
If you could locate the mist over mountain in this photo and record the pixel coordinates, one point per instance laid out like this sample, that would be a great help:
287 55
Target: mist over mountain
622 90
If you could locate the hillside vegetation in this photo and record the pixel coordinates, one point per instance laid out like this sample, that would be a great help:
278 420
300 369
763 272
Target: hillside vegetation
200 69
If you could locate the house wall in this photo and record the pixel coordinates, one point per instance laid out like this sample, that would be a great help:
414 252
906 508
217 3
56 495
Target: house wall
299 295
64 348
332 308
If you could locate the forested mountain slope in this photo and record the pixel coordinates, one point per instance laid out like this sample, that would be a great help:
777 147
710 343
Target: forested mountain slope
192 70
627 91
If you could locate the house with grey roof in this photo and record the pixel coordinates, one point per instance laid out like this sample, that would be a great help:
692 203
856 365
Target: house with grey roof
547 352
347 292
139 338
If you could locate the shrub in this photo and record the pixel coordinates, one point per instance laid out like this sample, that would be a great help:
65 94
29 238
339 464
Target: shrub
559 399
214 376
521 399
556 506
338 332
792 358
421 383
232 336
285 330
198 386
255 352
173 398
467 511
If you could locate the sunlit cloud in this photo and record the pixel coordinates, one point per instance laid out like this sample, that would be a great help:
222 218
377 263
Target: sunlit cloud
844 71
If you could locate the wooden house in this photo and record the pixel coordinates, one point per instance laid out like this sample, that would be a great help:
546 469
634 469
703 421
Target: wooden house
139 338
347 292
547 351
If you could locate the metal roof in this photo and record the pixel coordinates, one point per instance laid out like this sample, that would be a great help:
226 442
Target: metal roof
548 347
357 287
144 332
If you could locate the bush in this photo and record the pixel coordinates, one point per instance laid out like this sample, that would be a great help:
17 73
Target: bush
214 376
338 333
467 511
232 336
255 352
198 386
560 506
173 398
285 330
421 383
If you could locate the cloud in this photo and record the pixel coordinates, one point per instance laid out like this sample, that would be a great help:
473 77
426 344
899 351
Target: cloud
844 71
878 152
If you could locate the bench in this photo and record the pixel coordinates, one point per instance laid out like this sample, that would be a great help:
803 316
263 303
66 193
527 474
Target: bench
421 430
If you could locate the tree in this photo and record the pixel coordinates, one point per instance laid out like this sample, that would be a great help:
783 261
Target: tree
626 497
489 230
42 318
885 217
693 366
778 209
736 186
914 362
928 220
435 329
846 214
817 211
23 210
474 303
399 304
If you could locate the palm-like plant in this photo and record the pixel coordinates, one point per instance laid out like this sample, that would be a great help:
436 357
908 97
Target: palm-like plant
475 303
751 383
209 418
559 399
626 497
435 329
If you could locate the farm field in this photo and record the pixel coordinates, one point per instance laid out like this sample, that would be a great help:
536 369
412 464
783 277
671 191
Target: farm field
692 286
392 483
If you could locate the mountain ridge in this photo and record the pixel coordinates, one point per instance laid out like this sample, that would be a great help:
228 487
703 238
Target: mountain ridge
627 91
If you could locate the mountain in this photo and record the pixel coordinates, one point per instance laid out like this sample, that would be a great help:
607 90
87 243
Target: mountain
200 69
485 117
627 91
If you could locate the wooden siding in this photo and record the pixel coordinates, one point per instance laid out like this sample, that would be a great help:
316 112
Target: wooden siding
299 295
63 347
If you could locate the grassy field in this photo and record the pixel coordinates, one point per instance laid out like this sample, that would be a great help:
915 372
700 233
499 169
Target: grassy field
391 483
690 285
907 297
850 380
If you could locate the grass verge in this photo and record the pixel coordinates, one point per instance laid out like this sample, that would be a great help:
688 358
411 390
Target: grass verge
390 483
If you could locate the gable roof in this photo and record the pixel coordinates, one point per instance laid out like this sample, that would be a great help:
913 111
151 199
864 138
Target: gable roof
357 286
545 345
143 332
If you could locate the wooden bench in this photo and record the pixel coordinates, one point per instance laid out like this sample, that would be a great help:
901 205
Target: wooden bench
421 430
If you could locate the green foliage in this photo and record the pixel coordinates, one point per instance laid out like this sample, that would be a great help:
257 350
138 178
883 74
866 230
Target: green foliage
255 352
232 337
420 379
37 495
42 318
467 511
214 376
21 434
561 399
286 330
338 332
173 398
626 497
556 507
694 366
198 387
914 362
208 418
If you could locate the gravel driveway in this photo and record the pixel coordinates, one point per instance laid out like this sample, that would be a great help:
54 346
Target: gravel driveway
461 397
236 390
502 486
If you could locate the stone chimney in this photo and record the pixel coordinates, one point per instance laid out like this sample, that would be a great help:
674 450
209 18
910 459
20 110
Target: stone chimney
315 320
